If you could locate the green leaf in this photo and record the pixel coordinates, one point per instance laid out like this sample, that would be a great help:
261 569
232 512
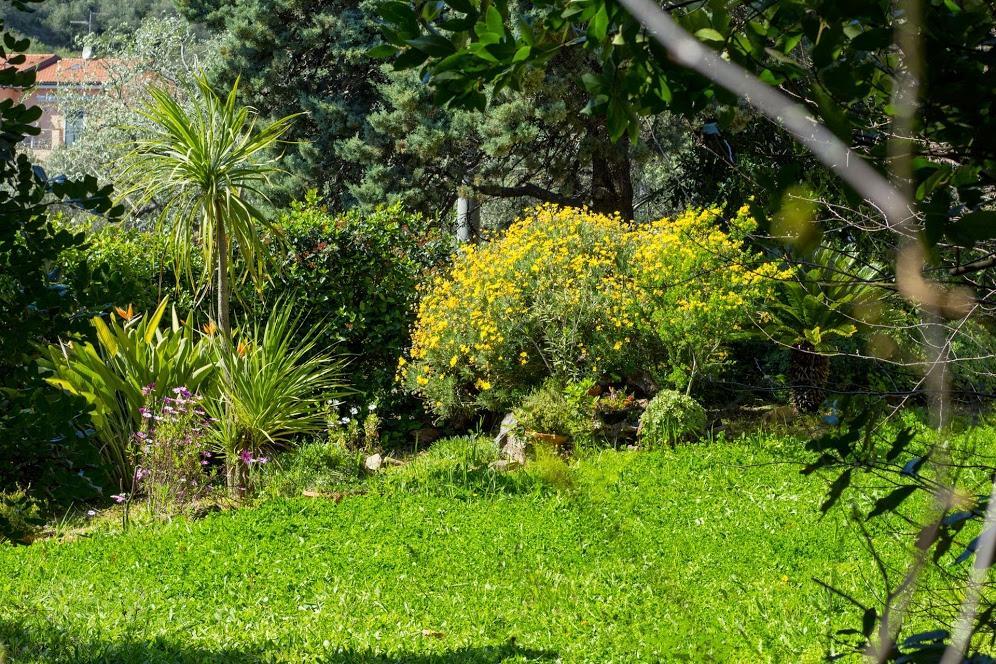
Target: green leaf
936 179
495 22
522 54
834 117
463 6
599 25
709 34
382 51
435 46
891 501
410 59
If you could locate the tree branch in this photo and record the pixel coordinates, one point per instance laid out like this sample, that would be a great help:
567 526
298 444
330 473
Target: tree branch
974 266
530 190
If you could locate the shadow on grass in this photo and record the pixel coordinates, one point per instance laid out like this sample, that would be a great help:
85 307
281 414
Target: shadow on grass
19 643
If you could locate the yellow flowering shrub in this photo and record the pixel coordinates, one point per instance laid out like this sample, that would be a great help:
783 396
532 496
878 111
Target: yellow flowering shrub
573 294
700 285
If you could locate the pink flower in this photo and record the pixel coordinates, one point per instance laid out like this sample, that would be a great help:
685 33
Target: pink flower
119 498
246 456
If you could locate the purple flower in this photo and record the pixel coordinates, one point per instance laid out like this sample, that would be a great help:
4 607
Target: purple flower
148 389
246 456
141 473
262 460
145 412
182 391
119 498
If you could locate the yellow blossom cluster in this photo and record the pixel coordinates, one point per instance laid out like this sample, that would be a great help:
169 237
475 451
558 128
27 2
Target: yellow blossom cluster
574 293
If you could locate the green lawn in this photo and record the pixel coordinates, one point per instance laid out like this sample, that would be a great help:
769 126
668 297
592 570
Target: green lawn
706 553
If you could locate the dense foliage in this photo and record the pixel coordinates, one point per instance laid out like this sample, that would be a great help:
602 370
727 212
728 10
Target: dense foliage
132 360
34 305
353 279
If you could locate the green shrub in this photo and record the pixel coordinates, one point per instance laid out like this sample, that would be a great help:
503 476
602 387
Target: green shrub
118 267
321 466
453 467
173 468
354 276
20 517
551 470
670 418
558 410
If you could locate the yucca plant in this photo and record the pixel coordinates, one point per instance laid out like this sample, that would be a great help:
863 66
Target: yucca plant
814 312
271 384
203 167
132 361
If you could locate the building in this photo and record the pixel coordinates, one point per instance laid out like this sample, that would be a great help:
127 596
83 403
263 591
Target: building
55 75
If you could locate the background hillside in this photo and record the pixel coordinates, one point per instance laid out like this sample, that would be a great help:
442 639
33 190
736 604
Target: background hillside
51 25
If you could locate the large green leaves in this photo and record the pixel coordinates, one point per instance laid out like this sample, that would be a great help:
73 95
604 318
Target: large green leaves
821 304
128 358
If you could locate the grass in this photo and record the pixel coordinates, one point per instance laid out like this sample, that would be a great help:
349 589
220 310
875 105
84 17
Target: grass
704 553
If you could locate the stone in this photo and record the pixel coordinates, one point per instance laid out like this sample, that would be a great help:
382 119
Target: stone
374 462
511 444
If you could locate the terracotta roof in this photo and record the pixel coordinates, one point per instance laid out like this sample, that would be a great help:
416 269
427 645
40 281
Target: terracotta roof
73 71
34 61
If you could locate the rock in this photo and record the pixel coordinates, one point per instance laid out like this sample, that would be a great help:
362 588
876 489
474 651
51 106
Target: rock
511 443
374 462
504 465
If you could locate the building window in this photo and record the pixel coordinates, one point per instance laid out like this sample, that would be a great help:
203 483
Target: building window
75 124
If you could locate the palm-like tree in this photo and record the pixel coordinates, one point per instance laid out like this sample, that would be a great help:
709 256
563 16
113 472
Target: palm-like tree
814 312
202 166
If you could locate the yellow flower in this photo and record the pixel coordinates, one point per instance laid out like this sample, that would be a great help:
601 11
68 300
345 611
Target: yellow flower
483 385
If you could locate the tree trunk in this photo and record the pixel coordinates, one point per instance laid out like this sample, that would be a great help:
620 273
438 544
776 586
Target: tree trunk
611 182
468 224
809 373
221 246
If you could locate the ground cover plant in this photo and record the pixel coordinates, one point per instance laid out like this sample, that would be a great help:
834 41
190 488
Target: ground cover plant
705 553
